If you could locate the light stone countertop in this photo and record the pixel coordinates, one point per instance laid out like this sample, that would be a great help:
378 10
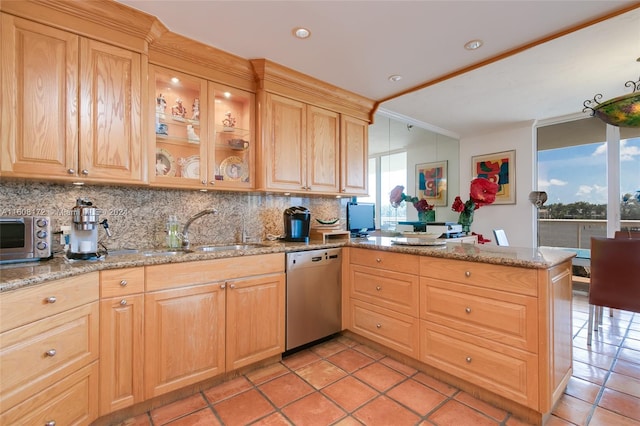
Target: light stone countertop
15 276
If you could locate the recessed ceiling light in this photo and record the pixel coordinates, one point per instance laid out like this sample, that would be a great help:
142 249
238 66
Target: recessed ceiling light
395 77
301 32
473 44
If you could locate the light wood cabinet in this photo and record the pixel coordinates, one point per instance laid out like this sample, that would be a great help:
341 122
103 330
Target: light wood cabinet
50 334
255 319
121 338
202 132
383 302
72 106
354 155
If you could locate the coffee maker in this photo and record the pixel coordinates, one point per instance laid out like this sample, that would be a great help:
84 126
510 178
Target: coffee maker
296 224
84 231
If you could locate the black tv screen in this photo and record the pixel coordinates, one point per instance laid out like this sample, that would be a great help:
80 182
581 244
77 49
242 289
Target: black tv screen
361 217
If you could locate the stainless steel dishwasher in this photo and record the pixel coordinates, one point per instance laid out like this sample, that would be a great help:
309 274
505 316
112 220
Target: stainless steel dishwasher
313 295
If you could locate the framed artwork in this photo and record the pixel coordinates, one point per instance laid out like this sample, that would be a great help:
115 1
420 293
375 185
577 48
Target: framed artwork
500 168
431 182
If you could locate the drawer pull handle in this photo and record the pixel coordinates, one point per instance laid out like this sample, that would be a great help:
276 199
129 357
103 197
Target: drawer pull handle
50 423
51 299
123 283
468 359
467 310
50 352
378 325
85 172
123 302
467 274
378 288
378 260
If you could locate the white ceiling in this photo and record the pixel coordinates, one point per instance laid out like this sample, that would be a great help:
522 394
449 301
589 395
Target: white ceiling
357 45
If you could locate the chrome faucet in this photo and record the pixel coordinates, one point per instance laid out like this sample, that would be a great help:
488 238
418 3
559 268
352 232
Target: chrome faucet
186 245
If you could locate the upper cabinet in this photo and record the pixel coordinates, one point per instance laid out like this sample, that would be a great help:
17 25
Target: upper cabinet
312 136
71 107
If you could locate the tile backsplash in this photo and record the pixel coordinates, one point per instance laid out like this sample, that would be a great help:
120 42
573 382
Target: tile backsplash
137 216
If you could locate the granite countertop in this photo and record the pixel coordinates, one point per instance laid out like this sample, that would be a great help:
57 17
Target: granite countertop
14 276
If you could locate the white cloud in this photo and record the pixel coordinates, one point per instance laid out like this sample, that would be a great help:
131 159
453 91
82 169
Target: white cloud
600 150
544 184
628 153
585 190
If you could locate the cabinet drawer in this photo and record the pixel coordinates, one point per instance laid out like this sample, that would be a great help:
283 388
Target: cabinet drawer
394 330
29 304
121 282
506 372
380 259
160 277
502 317
36 355
497 277
71 401
392 290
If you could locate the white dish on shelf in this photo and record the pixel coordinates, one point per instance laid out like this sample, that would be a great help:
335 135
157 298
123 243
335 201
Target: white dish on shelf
418 242
234 169
165 164
191 167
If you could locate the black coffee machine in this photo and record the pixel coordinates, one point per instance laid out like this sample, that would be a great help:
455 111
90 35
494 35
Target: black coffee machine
296 224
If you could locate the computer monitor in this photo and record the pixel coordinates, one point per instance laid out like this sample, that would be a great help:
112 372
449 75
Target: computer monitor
361 218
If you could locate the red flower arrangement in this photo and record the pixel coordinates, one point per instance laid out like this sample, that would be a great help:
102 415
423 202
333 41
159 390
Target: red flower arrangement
482 192
397 196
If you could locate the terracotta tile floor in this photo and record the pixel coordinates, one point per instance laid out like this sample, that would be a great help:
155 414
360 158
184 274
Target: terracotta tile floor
341 382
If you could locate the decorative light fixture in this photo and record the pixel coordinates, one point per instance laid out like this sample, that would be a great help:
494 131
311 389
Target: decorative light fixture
623 111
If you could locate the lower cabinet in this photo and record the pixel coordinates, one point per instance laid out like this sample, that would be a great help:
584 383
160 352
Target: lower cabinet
184 337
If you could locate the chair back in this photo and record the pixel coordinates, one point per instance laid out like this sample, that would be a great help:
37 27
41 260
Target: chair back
501 237
615 273
627 234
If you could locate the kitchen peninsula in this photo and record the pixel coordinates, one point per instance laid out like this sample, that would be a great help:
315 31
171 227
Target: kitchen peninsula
495 321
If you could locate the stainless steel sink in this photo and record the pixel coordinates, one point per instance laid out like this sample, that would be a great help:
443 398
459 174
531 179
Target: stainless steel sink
226 247
153 253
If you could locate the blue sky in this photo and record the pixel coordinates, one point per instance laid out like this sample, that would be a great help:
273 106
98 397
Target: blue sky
579 173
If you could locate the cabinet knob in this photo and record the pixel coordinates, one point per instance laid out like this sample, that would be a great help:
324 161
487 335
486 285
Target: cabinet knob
467 274
467 310
378 325
223 286
85 172
50 352
123 283
204 182
123 302
378 260
232 286
468 359
51 299
50 423
378 288
212 182
71 171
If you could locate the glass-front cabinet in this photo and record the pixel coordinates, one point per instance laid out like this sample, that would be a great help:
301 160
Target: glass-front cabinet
203 133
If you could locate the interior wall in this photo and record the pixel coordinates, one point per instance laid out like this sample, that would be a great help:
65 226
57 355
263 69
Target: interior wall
518 220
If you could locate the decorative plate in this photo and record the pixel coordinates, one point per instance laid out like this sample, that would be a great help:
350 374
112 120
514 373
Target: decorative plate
191 167
165 164
232 168
418 242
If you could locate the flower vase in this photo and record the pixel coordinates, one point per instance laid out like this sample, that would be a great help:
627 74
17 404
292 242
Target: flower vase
427 216
466 219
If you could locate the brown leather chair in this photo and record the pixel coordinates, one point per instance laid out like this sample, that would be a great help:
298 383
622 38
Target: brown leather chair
627 234
615 276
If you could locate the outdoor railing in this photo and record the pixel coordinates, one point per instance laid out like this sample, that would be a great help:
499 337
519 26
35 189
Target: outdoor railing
574 233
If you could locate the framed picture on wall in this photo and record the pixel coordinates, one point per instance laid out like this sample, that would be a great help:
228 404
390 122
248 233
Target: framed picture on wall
431 182
500 168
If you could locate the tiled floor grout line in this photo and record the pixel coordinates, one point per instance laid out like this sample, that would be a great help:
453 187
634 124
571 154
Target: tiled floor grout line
611 367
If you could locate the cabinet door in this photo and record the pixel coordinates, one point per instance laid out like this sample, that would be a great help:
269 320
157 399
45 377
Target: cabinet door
179 145
354 156
232 158
255 319
110 105
121 352
323 150
184 337
39 131
285 144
